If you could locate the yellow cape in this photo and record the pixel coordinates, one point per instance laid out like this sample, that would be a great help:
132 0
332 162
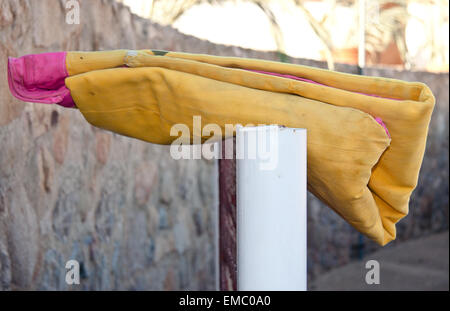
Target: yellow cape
363 173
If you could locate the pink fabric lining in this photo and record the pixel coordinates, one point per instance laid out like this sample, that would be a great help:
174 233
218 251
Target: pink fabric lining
379 120
383 125
39 78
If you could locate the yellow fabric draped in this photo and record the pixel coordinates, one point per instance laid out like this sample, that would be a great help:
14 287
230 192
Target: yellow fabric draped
354 167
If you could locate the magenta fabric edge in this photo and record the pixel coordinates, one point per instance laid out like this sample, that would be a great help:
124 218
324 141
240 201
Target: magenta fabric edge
11 73
20 94
380 121
18 81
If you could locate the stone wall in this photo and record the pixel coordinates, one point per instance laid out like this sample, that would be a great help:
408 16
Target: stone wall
133 217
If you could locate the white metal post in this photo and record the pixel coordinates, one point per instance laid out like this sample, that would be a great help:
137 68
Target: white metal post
271 209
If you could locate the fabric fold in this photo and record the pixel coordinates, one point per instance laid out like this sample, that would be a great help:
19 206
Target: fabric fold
39 78
404 107
366 135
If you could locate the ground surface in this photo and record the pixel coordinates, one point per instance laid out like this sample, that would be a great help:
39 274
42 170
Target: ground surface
421 264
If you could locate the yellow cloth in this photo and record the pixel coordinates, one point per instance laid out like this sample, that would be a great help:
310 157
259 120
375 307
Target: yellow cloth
353 166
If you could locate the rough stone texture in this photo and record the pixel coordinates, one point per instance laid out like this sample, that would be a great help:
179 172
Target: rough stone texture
134 218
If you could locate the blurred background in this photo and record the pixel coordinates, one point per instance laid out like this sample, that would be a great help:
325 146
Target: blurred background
404 34
136 219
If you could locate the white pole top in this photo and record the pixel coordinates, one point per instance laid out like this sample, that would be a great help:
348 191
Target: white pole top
271 208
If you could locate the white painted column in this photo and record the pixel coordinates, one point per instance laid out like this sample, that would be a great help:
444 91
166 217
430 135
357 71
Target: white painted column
271 208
